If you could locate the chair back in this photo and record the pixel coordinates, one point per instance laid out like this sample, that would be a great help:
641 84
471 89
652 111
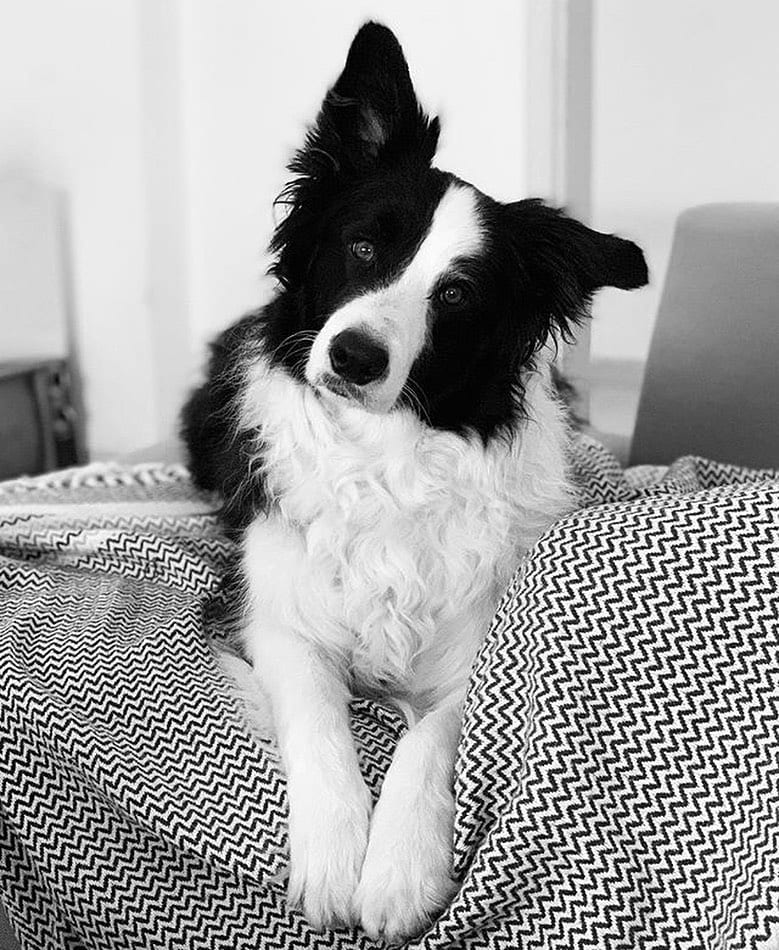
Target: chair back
711 383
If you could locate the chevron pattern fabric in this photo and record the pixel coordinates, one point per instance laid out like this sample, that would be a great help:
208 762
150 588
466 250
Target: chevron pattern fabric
618 777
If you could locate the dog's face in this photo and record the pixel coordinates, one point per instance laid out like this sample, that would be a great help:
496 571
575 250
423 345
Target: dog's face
410 286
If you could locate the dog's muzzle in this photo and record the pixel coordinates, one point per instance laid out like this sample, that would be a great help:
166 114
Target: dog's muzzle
357 358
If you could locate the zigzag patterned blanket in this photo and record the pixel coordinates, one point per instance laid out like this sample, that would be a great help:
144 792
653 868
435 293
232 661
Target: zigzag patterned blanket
618 778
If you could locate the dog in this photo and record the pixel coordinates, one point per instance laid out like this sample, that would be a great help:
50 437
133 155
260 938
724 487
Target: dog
388 442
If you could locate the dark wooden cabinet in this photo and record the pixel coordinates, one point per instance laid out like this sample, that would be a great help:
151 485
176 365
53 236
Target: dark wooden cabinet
40 426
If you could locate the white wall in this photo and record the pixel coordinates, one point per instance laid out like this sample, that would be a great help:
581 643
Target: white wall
685 112
70 115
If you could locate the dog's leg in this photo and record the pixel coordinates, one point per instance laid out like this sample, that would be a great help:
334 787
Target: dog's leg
329 803
406 877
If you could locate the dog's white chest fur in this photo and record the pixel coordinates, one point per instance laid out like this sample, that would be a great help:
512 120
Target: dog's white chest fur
389 542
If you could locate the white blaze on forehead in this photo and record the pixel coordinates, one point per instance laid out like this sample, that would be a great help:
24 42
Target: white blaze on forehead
455 231
396 315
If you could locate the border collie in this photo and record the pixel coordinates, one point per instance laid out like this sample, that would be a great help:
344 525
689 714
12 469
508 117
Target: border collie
387 440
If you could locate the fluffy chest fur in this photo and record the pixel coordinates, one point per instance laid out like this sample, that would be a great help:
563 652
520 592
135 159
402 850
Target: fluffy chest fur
404 536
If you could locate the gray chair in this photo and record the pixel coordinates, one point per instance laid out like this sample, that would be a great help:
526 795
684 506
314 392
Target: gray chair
711 384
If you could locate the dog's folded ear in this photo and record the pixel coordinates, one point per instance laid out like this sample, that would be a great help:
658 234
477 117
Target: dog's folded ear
608 260
566 262
371 113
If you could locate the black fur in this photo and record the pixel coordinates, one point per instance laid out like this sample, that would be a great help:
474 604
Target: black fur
365 172
219 454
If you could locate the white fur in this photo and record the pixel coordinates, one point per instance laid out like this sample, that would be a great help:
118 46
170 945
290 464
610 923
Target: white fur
385 518
396 315
377 569
406 875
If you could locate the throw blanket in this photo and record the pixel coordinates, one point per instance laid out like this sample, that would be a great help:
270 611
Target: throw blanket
618 776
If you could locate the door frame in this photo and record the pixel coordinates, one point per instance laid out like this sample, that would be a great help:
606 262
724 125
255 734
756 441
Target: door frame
559 82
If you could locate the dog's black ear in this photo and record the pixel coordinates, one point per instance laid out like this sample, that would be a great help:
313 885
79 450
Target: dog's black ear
565 262
371 112
369 118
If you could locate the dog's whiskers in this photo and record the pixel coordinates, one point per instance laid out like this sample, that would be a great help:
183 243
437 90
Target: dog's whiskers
299 338
413 396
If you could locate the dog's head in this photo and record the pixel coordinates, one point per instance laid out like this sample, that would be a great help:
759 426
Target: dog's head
410 286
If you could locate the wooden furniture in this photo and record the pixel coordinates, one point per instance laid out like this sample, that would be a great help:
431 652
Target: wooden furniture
40 429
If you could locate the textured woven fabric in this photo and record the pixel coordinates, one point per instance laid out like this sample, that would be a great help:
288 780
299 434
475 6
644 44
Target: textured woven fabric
618 778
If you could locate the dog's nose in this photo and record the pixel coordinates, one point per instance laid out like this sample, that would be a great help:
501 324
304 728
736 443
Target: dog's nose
357 358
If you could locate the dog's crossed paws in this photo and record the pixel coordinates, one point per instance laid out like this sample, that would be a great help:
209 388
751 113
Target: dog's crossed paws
392 882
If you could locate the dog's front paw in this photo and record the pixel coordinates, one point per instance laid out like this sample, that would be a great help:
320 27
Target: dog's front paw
406 878
328 834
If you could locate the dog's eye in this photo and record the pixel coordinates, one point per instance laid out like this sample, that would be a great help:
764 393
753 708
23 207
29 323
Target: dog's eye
364 251
451 295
